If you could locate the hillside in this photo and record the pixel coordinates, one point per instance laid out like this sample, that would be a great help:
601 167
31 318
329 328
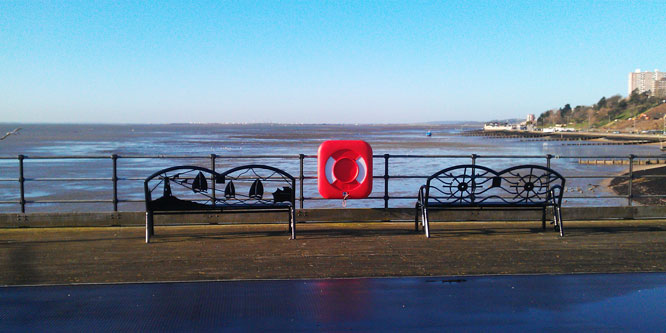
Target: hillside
638 112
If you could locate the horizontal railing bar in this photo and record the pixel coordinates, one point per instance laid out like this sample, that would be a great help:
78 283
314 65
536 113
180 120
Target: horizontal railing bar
313 177
59 157
70 201
65 179
208 156
597 196
368 198
614 156
70 157
321 199
64 157
478 156
594 177
553 157
425 177
415 197
10 202
406 177
457 156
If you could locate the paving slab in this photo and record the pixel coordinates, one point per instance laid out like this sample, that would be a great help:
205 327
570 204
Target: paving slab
36 256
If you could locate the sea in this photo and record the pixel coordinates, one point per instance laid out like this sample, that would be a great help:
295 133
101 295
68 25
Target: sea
72 162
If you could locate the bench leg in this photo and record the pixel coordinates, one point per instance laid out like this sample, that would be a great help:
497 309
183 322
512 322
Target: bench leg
416 217
292 222
558 210
543 218
426 223
424 217
150 231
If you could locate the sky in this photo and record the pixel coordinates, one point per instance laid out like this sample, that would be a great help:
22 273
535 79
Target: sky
317 61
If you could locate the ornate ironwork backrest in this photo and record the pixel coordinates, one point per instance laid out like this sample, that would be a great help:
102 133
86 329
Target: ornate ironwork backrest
184 182
460 185
531 184
256 184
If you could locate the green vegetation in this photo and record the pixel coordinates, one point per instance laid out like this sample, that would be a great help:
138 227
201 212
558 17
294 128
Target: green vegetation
601 114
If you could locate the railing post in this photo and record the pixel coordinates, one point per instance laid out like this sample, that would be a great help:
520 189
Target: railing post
630 194
386 181
114 179
21 183
474 157
301 177
212 167
548 158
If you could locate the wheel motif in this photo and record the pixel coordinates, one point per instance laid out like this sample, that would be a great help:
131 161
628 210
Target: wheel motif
529 187
461 187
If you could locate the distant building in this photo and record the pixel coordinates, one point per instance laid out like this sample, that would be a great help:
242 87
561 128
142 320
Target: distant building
659 89
530 118
652 82
495 126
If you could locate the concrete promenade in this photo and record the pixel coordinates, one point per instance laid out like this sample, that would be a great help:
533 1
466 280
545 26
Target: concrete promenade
34 256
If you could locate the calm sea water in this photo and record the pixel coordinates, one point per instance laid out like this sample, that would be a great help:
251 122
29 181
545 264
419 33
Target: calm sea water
240 144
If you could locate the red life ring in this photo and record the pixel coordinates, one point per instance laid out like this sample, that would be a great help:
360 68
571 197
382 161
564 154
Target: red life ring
344 166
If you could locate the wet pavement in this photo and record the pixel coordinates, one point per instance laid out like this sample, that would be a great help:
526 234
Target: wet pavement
584 302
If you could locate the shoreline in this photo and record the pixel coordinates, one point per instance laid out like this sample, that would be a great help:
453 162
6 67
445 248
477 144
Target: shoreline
640 185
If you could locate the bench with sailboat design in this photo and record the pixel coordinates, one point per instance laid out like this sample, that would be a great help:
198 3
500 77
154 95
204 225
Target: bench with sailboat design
197 190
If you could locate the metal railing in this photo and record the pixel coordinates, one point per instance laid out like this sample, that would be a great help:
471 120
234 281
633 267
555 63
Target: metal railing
302 177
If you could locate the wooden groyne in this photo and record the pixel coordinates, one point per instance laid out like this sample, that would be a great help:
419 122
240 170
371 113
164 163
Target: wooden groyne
608 143
621 161
614 138
503 134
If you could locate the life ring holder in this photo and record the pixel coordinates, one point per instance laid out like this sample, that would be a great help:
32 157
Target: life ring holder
345 169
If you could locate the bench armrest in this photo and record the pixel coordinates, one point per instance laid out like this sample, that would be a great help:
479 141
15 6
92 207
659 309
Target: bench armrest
422 200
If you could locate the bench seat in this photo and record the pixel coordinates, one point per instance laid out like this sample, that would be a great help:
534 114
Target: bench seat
196 190
476 187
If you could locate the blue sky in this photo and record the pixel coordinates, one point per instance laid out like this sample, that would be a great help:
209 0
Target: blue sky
314 62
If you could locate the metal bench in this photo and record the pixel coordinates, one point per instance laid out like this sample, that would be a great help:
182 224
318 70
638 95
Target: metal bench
193 190
476 187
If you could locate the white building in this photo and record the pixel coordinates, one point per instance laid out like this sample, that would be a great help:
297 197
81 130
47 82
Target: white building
647 81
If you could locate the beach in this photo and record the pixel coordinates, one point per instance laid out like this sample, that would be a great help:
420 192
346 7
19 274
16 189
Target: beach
648 180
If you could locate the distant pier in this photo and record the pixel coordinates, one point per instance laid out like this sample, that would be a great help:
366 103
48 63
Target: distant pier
614 138
621 161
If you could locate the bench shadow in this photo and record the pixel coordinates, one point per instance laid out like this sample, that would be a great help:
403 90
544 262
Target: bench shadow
301 233
582 231
569 232
82 240
459 232
212 235
342 232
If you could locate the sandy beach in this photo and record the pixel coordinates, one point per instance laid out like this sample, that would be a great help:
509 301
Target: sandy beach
643 183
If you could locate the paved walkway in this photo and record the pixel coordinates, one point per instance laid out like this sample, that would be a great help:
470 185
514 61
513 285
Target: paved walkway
187 253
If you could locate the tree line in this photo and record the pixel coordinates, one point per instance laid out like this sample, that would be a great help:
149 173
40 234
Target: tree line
606 110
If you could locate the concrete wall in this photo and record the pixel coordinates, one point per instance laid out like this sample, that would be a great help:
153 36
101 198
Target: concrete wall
98 219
